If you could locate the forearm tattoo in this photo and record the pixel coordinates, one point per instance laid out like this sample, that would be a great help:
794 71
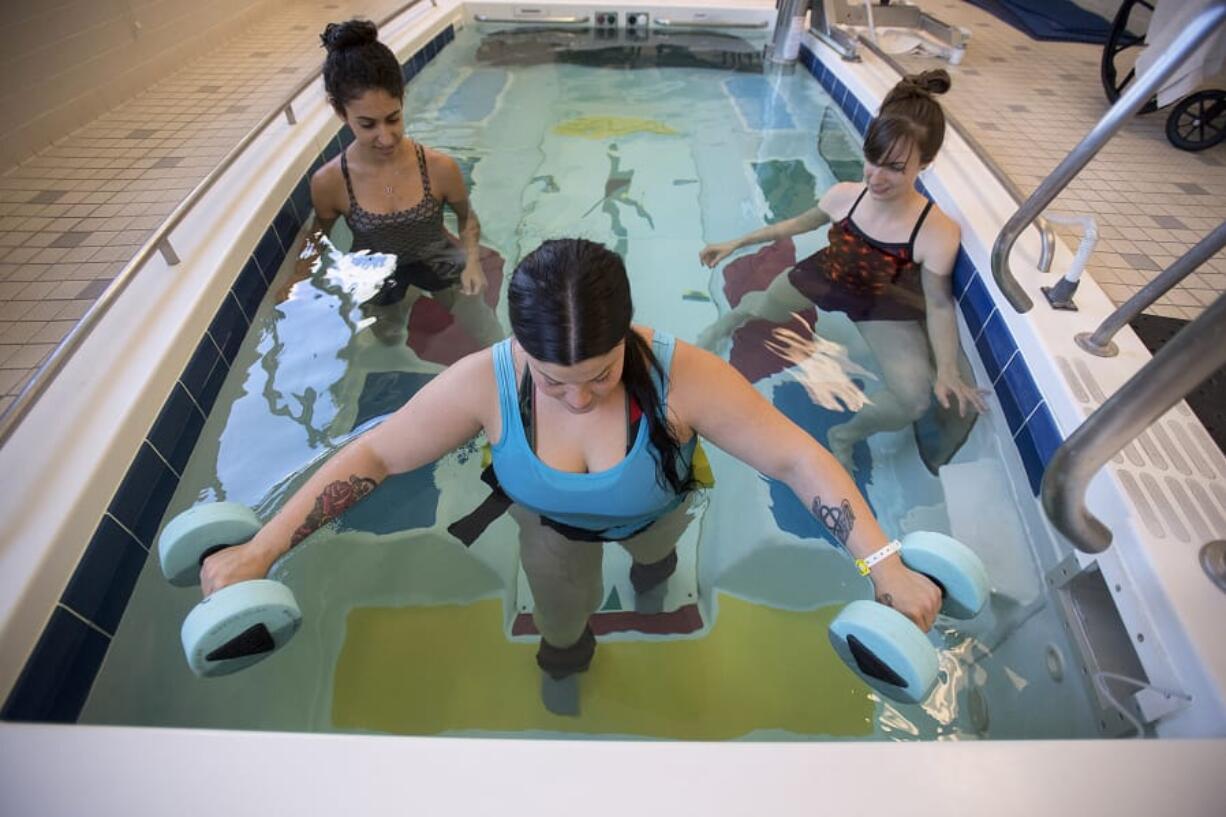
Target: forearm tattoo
838 520
331 503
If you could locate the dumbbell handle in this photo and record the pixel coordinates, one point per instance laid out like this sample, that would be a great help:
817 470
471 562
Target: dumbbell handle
214 549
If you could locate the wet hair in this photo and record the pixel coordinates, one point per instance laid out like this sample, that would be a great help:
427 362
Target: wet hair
358 62
569 301
909 115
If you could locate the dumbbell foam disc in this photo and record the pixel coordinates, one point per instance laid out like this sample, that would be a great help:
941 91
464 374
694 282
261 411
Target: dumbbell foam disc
239 625
198 529
956 566
886 649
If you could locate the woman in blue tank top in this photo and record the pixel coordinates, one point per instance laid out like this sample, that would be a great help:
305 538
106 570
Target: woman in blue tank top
593 423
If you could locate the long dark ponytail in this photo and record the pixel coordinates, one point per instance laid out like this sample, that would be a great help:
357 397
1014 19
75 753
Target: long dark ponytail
569 301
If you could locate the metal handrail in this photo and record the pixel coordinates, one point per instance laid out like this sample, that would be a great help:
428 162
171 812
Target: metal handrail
1195 353
1100 343
825 31
554 21
666 22
158 242
1047 236
1139 92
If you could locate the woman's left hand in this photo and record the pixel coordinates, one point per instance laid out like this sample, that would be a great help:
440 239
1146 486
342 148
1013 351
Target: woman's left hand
950 386
472 279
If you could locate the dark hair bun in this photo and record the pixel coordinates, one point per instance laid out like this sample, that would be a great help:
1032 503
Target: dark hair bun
935 81
923 86
349 34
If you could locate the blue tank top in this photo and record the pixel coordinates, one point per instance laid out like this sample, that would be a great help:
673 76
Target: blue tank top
615 502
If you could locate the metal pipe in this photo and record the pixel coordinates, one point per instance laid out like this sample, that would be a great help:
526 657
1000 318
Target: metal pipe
1100 343
823 29
160 240
784 46
1047 236
665 22
1195 353
553 21
1138 93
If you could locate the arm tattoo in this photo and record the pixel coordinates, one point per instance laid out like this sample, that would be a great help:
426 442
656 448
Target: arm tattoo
886 599
838 520
335 500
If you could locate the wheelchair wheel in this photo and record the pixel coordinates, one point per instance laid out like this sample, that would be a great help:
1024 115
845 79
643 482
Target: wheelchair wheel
1198 121
1118 66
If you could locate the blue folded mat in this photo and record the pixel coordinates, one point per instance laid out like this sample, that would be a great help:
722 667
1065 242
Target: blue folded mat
1058 20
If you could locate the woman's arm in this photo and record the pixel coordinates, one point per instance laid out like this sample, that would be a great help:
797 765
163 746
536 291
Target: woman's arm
444 414
323 201
714 400
807 221
453 191
937 253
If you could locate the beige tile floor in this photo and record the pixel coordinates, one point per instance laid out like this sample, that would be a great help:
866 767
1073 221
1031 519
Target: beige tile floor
73 215
1030 102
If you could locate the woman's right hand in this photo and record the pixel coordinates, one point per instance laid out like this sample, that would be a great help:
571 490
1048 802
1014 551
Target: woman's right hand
910 593
712 254
232 565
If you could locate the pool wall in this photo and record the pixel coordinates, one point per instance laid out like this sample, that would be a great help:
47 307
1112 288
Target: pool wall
80 586
113 461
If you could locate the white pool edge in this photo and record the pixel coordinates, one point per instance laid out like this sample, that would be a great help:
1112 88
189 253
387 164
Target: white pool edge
110 765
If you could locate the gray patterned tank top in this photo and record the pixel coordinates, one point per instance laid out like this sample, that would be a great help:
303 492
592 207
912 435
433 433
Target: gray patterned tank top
425 256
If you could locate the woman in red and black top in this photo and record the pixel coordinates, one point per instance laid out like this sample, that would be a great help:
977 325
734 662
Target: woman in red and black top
887 266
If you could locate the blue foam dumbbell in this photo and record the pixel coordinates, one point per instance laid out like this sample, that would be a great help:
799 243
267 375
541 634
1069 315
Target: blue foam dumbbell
883 646
241 623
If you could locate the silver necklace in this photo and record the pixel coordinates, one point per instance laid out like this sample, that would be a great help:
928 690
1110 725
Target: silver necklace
397 172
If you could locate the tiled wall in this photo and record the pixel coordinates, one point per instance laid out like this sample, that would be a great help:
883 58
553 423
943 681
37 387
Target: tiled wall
56 680
70 61
1030 421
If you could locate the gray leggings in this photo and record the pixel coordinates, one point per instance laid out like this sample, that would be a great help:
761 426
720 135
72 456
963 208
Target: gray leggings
565 575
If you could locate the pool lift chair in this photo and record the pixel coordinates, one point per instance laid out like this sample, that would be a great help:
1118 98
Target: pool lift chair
829 19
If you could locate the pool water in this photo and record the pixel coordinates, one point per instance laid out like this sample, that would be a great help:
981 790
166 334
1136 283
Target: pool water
654 148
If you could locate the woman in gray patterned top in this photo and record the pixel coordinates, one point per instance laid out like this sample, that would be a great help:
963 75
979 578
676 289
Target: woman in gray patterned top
391 190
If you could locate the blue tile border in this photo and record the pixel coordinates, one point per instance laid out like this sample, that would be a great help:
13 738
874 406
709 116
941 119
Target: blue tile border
56 680
996 346
1037 441
175 431
1034 430
143 495
98 591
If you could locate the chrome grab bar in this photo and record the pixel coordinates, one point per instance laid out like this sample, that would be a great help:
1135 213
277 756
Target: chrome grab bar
666 22
1195 353
1138 93
1047 236
1100 343
821 27
553 21
158 242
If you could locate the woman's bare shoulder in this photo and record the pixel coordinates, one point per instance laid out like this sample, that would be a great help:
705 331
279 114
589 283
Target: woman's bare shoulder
838 199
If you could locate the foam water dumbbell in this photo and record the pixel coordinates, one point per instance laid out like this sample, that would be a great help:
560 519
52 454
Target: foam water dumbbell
883 646
241 623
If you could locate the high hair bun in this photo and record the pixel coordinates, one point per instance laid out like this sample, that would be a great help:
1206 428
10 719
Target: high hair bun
349 34
930 83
